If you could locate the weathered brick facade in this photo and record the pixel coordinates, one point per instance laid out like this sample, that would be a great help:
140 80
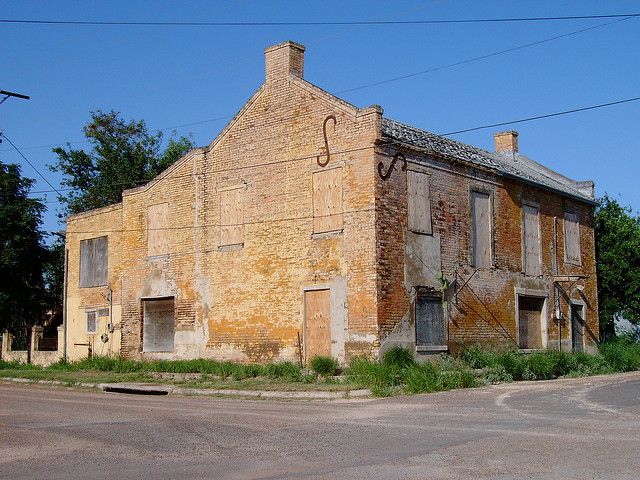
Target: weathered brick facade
238 286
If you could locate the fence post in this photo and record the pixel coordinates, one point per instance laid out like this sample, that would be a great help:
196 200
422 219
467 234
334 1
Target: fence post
6 344
61 346
36 335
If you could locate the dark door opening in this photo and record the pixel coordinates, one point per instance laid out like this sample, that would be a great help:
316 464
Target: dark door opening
430 327
577 328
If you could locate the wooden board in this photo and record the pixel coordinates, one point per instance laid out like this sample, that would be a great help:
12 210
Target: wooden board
418 202
577 328
94 262
571 238
158 327
531 240
481 229
327 200
231 217
317 319
530 322
157 229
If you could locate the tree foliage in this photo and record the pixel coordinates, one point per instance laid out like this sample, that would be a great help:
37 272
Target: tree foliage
617 234
22 253
123 155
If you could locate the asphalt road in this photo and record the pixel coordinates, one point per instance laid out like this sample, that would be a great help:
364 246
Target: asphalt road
568 429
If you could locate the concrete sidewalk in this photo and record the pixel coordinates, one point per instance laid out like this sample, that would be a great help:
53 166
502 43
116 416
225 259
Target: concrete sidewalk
163 389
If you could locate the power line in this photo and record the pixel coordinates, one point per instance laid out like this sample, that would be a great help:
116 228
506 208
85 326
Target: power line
312 23
409 75
548 115
29 162
482 57
308 157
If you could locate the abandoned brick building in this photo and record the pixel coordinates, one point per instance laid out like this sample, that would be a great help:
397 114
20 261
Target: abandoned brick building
309 226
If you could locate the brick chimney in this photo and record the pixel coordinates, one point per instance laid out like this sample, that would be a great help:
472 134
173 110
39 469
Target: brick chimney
506 141
284 59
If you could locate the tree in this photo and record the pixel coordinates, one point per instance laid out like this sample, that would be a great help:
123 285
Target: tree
123 155
617 234
22 252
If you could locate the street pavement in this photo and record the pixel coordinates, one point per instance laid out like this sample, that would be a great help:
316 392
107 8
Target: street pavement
584 428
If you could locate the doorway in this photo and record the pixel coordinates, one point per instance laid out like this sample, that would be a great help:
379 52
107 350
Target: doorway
317 323
577 327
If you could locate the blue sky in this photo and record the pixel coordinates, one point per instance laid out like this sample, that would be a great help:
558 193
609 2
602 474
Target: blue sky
172 76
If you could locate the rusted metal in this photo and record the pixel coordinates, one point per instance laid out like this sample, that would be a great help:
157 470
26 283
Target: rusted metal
396 157
325 149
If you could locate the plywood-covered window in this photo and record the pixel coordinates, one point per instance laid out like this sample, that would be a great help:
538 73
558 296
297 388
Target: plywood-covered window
158 327
157 229
327 201
531 239
94 262
481 229
571 238
232 217
419 202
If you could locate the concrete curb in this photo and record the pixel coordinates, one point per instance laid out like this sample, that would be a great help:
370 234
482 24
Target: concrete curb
150 389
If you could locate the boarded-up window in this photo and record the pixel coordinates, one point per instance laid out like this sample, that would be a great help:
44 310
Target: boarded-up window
159 325
430 328
92 321
157 229
419 202
531 240
481 229
530 322
327 201
94 262
317 328
571 238
231 217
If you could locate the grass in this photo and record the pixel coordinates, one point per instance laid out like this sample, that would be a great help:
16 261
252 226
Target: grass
397 373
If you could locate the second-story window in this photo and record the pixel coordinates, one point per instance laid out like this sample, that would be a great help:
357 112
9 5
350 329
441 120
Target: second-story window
157 229
94 262
481 229
571 238
232 217
327 200
418 202
531 239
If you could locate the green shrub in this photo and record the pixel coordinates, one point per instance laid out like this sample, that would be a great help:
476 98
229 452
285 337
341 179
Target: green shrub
284 370
398 357
621 354
325 366
367 373
423 378
497 375
541 365
477 357
13 365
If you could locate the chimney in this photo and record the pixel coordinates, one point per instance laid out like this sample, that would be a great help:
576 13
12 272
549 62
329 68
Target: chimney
284 59
506 141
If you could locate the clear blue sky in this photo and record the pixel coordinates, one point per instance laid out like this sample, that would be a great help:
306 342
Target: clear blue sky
177 75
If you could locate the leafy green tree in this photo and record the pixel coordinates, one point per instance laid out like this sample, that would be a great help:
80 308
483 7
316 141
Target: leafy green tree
53 271
617 234
22 252
123 155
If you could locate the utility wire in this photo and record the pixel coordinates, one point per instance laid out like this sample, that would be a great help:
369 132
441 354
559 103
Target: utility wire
482 57
308 157
312 23
403 77
29 162
548 115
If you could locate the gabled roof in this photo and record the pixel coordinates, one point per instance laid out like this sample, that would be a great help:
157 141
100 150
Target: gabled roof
514 166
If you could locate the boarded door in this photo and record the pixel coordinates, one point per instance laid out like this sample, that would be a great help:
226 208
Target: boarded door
159 325
481 213
430 329
317 318
530 322
531 240
577 328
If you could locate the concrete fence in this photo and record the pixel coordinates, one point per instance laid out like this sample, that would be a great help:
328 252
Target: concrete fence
34 355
